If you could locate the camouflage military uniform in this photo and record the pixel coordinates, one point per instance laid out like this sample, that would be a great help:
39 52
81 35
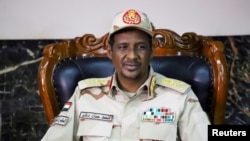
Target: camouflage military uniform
161 109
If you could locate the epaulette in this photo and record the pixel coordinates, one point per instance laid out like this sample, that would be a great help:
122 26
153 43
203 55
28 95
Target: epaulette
174 84
93 82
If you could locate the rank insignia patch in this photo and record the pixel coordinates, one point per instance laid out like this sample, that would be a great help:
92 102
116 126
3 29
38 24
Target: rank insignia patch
158 115
95 116
66 106
60 120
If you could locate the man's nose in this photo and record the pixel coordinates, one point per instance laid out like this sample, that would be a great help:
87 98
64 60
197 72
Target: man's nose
131 54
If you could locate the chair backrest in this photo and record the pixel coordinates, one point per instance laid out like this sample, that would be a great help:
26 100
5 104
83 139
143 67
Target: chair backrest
195 59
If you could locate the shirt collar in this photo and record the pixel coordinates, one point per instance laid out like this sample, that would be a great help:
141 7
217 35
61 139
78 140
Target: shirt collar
147 87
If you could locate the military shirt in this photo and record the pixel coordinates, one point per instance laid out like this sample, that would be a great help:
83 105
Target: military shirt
162 109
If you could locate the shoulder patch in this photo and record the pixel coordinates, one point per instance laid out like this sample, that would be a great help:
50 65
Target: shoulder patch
175 84
60 120
93 82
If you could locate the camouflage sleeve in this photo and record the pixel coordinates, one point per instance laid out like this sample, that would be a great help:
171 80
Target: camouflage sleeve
193 123
64 126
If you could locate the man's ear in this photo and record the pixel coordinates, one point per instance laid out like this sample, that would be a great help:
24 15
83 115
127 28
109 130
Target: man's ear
109 52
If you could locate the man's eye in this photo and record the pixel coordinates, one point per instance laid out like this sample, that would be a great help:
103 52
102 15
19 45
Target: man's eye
141 47
122 47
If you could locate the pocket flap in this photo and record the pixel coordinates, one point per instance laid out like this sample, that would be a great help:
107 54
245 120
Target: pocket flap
161 131
95 128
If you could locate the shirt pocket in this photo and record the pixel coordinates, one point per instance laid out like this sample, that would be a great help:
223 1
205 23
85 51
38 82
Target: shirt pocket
93 129
158 131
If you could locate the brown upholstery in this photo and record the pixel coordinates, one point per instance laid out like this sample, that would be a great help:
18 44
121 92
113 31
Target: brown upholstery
198 60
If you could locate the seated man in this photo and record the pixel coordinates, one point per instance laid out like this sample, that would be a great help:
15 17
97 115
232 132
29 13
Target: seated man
135 103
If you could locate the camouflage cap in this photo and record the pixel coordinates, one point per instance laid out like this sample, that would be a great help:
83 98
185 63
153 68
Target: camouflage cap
131 19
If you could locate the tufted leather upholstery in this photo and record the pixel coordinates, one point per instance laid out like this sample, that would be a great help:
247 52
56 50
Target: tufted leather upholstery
193 70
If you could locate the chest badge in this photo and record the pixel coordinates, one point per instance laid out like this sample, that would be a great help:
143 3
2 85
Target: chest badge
158 115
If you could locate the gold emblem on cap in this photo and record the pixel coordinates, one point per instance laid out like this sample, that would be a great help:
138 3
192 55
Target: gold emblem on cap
131 17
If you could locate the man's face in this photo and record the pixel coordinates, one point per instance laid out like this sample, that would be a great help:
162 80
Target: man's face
131 54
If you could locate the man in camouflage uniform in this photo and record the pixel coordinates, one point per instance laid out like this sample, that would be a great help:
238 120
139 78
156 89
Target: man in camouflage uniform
135 103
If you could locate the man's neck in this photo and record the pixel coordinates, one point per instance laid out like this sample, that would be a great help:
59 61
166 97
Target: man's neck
131 85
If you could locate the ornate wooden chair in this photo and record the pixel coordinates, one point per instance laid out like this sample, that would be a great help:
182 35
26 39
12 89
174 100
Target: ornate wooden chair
193 58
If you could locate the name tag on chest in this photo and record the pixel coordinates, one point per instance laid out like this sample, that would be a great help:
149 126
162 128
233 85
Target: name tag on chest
95 116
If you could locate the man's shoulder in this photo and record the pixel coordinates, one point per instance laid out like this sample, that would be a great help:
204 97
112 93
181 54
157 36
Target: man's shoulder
94 82
172 83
